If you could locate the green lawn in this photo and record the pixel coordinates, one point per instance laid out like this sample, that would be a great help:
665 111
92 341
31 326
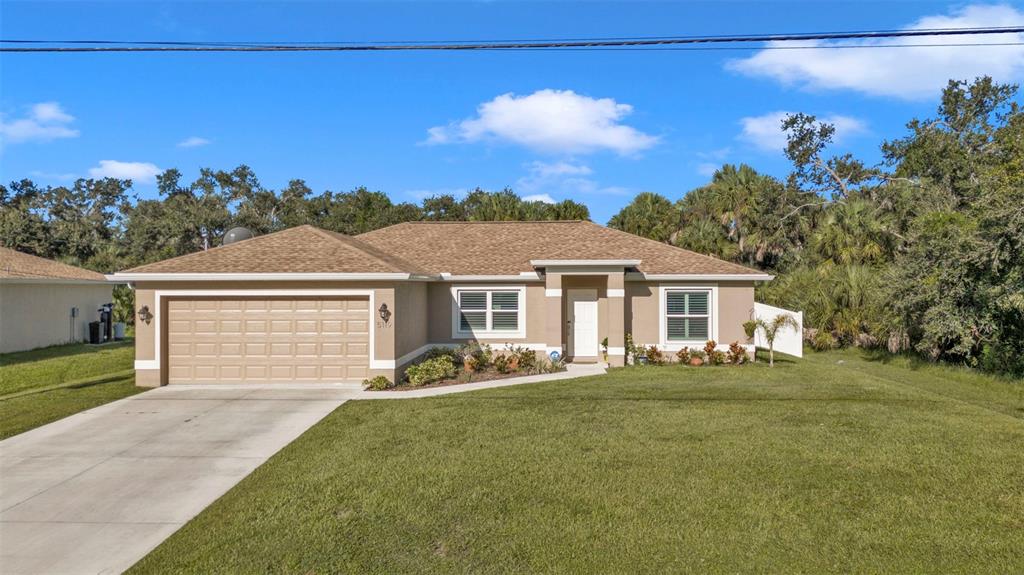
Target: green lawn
98 375
49 366
809 467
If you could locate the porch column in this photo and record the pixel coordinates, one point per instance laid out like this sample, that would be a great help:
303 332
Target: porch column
616 319
553 307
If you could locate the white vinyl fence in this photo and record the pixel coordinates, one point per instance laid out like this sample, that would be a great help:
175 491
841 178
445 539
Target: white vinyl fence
788 340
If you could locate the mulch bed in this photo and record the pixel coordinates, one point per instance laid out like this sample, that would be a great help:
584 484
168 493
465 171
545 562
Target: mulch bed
476 378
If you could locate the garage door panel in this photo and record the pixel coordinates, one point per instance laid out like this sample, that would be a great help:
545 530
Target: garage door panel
270 340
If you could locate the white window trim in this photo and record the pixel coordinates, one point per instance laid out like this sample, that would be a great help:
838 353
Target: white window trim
488 334
665 344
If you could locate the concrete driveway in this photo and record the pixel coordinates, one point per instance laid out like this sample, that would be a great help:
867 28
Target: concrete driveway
95 492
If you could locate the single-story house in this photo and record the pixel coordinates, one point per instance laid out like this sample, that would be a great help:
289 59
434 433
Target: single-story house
309 305
43 302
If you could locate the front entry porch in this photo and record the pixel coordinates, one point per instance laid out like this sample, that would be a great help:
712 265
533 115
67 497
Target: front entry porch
586 311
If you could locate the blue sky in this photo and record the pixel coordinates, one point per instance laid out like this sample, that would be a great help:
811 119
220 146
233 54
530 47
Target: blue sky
597 127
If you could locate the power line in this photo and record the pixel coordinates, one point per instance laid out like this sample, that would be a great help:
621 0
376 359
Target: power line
636 43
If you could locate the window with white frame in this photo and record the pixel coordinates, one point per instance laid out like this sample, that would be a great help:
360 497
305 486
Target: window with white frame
498 312
687 315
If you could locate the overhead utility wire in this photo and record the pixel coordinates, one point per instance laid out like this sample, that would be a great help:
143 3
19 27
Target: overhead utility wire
513 45
993 29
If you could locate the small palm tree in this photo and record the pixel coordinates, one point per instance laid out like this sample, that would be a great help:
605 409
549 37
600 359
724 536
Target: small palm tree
772 329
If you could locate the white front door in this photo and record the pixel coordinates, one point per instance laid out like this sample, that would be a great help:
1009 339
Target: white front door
582 323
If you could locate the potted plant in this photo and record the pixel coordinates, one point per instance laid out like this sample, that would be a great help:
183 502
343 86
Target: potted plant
696 358
604 346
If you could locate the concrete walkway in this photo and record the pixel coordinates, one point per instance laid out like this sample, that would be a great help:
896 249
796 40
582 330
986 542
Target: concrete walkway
572 371
97 491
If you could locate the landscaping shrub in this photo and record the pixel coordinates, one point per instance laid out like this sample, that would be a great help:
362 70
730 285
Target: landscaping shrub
823 341
430 371
526 359
501 363
683 355
737 355
436 352
654 355
546 365
378 383
475 355
709 348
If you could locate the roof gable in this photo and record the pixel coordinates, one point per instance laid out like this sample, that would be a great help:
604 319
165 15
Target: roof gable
302 249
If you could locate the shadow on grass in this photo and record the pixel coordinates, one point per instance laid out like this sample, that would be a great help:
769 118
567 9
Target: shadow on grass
915 362
58 351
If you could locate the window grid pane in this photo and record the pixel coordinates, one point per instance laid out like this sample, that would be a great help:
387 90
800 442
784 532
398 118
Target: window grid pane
505 300
473 300
505 321
473 321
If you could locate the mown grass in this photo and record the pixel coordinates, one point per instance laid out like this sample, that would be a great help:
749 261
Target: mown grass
66 364
814 466
20 414
47 366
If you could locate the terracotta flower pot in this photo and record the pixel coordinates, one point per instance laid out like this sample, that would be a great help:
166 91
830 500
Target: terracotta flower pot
696 361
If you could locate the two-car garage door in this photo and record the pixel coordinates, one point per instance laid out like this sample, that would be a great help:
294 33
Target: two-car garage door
316 340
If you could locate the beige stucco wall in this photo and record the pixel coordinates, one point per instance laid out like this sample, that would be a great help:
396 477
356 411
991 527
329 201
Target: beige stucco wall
411 318
440 306
734 305
39 314
145 335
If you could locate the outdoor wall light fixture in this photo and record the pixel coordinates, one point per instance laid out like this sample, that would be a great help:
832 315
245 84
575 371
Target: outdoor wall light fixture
145 315
384 312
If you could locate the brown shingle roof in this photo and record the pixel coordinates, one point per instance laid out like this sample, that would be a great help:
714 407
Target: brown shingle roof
459 248
506 248
303 249
16 265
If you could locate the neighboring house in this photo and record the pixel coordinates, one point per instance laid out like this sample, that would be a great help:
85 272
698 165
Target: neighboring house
308 305
43 302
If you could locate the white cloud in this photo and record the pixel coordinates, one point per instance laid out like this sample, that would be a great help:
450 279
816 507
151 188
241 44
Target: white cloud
554 121
546 198
908 73
137 172
193 142
46 121
765 131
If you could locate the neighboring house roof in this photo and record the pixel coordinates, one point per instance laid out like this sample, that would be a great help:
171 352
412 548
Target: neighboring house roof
303 249
506 248
434 248
16 265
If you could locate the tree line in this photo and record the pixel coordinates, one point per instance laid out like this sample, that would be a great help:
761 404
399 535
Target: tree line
920 253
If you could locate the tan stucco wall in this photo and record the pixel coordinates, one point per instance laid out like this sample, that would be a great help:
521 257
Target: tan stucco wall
37 315
441 304
734 304
411 317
